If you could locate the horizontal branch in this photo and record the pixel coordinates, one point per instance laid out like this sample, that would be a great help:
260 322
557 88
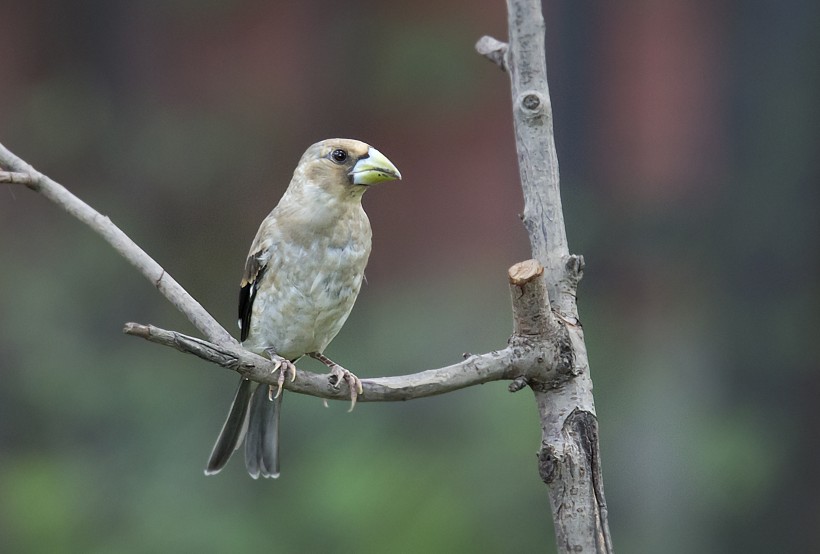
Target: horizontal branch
506 364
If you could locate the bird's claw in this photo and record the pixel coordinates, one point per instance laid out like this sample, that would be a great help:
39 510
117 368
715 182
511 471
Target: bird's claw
339 374
284 367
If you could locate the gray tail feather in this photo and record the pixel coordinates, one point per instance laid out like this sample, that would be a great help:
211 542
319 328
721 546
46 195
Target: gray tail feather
262 440
233 430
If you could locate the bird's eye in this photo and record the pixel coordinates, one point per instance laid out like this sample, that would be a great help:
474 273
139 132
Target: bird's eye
339 156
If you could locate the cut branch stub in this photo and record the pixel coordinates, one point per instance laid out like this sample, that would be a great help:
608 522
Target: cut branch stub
524 272
536 329
531 312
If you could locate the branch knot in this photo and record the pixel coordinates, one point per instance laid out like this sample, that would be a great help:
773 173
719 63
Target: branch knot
533 104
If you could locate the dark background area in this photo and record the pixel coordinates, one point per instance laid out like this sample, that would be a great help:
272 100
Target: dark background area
687 134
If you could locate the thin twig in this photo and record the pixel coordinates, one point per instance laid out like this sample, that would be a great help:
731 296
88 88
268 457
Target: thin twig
122 243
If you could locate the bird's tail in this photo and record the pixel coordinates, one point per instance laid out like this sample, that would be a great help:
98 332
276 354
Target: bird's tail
262 439
233 430
254 418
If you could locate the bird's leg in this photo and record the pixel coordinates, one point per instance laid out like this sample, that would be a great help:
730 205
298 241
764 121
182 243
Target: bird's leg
284 366
339 374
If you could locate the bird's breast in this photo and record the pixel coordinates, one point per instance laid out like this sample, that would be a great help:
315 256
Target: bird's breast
307 292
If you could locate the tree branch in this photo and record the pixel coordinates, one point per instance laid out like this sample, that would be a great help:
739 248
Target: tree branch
569 457
507 363
103 226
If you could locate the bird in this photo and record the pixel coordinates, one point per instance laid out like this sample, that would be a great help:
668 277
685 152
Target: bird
303 273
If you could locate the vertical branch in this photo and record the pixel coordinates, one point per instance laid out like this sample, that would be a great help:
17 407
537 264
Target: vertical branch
569 457
535 142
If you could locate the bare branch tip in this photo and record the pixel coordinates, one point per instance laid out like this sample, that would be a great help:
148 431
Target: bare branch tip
494 50
137 329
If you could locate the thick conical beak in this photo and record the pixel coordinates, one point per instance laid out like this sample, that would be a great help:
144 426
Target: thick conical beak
373 168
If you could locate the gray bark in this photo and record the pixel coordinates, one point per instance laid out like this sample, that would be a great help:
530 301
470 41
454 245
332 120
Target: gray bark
509 363
569 456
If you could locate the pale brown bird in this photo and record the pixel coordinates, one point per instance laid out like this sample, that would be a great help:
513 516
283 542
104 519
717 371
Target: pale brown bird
302 276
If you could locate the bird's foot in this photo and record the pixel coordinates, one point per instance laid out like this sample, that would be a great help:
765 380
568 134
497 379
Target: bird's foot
338 375
285 367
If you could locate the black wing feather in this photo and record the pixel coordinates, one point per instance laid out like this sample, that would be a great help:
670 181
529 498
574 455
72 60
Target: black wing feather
254 270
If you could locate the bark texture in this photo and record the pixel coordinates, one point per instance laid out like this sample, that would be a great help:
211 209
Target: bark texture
569 456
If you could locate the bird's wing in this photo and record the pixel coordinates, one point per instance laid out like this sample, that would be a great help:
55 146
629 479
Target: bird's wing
255 267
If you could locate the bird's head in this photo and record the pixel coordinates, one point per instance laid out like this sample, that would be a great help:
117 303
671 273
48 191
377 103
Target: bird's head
345 167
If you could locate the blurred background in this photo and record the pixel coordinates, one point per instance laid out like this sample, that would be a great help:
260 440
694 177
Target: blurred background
688 137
